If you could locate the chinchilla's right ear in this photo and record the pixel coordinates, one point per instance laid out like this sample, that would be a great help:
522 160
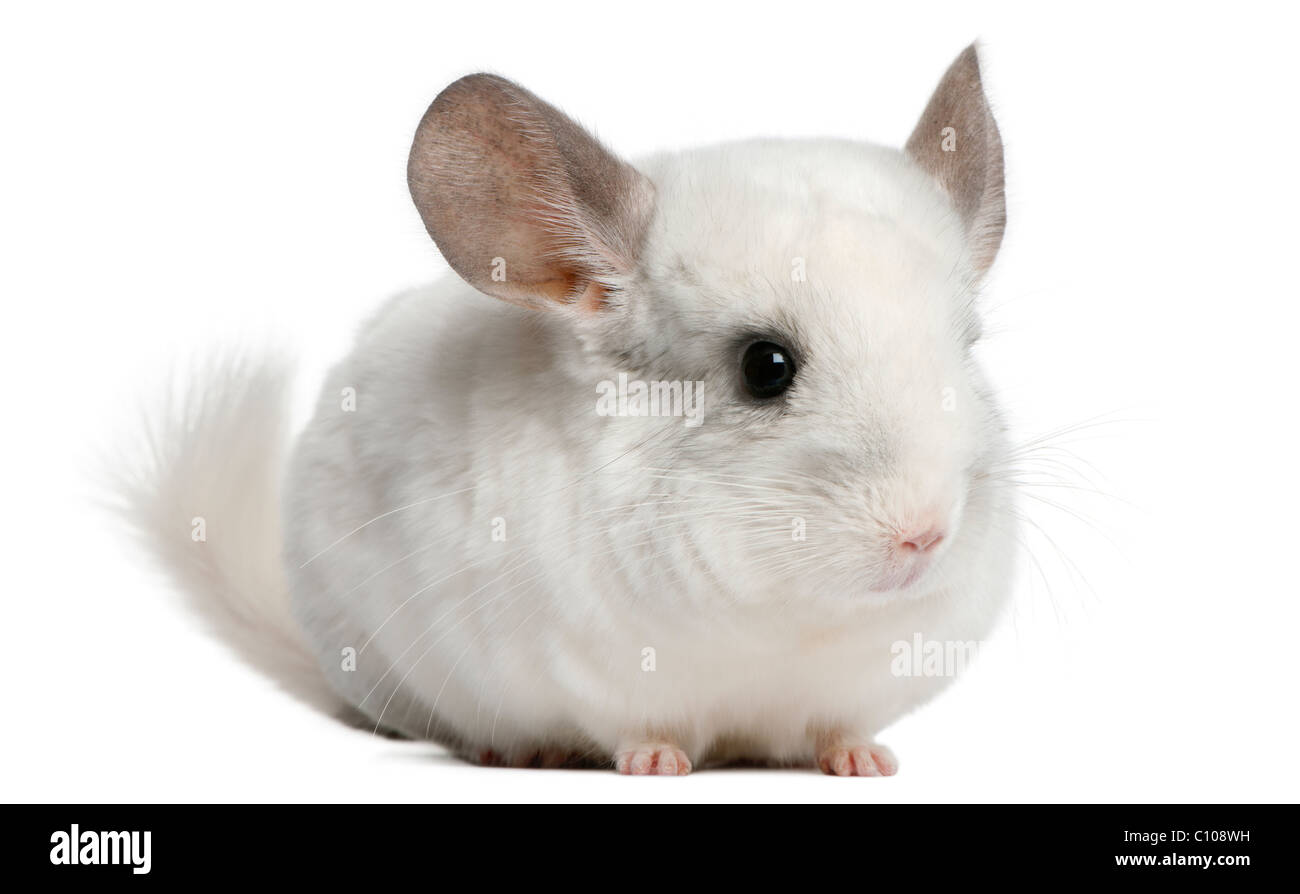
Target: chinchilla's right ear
523 203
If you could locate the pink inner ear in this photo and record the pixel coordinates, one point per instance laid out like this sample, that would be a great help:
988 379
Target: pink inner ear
592 298
525 204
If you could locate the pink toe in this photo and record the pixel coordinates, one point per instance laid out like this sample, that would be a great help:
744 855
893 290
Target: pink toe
863 764
885 761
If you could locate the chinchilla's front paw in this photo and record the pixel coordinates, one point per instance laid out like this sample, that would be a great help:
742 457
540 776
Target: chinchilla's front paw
651 759
841 755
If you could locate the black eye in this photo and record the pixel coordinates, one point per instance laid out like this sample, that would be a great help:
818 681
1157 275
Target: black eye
768 369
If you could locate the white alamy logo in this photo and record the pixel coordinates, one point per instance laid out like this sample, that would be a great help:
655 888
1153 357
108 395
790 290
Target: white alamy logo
931 658
76 848
633 397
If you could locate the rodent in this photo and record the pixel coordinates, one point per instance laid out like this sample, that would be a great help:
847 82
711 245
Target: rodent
474 551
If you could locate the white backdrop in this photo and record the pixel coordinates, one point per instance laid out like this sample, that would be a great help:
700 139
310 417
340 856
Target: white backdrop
176 178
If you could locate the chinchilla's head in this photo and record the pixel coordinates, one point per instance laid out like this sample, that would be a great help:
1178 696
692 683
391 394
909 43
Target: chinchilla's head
815 299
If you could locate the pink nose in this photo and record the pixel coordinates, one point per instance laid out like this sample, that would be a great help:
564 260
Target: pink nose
920 541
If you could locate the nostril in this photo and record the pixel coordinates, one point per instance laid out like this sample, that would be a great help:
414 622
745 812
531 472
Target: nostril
920 542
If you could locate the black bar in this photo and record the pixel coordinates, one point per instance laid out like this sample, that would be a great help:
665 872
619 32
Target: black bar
378 844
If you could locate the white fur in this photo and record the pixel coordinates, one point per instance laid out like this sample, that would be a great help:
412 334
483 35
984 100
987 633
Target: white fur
630 533
203 495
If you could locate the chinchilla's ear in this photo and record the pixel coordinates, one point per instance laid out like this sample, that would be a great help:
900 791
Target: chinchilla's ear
523 203
957 142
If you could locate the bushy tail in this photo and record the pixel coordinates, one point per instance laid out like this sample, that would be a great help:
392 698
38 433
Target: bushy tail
204 495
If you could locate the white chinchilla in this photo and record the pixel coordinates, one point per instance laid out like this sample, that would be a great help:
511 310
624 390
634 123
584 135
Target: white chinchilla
659 481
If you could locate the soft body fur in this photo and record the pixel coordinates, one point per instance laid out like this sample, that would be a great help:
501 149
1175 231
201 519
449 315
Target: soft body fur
475 555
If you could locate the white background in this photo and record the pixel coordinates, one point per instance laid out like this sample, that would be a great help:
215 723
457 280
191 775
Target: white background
174 179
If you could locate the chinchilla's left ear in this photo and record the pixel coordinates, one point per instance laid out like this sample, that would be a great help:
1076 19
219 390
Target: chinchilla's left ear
525 205
957 142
